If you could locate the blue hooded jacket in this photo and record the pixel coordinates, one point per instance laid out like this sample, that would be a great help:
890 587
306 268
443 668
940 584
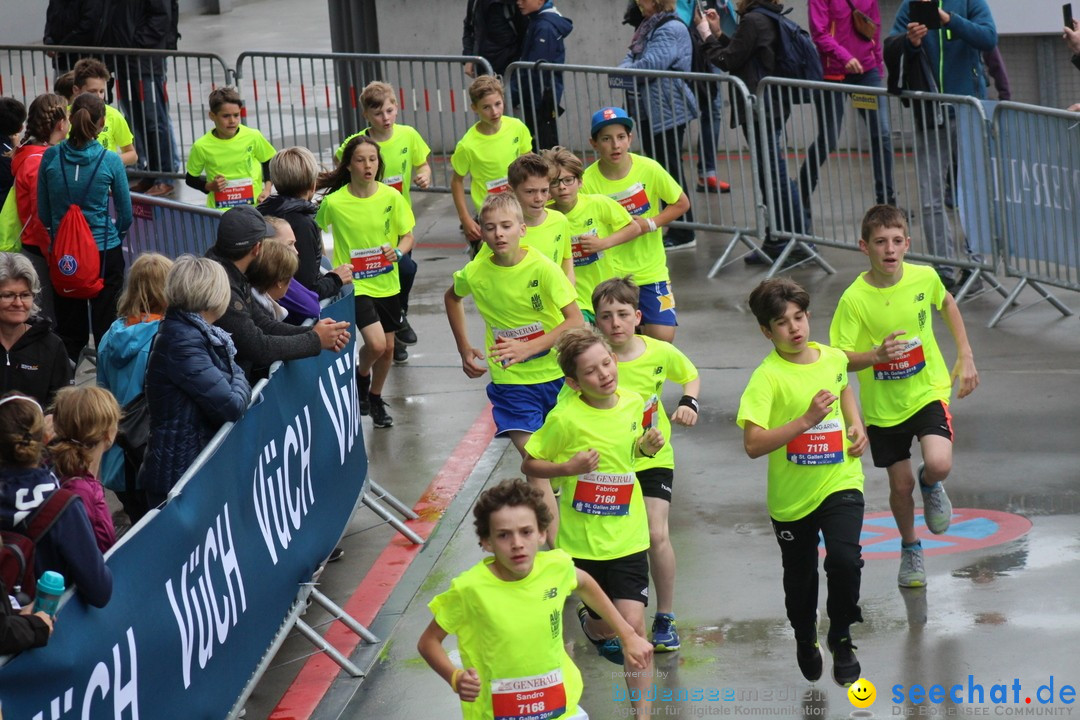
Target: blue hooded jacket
121 367
955 50
78 167
544 41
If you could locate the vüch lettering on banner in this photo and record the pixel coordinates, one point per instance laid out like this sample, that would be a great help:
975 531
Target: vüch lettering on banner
281 488
198 612
125 695
339 395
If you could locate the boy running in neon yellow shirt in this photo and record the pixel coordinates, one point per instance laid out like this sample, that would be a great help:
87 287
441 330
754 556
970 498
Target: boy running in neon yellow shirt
546 231
588 446
800 411
884 322
527 303
639 184
404 156
596 223
645 364
507 614
91 76
485 152
229 162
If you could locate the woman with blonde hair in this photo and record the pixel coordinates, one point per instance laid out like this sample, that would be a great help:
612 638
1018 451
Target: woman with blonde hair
121 365
193 384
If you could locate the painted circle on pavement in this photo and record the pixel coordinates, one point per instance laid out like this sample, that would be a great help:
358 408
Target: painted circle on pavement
969 530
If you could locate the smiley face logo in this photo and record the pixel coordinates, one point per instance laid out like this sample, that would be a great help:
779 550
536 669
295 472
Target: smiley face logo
862 693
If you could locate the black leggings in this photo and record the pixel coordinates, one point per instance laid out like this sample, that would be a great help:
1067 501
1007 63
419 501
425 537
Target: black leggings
839 519
75 319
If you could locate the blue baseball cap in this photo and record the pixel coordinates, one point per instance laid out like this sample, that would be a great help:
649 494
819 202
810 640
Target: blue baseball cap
610 116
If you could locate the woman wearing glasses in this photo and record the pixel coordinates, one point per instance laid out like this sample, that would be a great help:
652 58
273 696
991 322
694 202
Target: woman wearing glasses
34 360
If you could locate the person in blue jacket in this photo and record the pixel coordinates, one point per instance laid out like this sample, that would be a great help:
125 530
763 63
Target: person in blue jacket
193 384
537 93
121 366
69 171
664 107
68 547
955 54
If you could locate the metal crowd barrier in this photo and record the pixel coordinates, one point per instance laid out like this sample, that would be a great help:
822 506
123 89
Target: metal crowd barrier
162 93
313 99
169 227
939 159
701 101
1037 189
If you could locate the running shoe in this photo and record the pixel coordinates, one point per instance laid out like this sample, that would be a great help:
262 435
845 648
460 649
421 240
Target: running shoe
665 636
937 508
845 666
379 417
609 649
808 654
912 573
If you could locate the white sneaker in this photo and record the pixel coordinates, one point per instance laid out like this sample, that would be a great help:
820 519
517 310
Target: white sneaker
937 508
912 572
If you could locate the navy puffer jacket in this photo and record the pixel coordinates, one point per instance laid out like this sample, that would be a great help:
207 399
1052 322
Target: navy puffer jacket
193 387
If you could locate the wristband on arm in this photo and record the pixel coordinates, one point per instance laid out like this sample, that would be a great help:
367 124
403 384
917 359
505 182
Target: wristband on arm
690 402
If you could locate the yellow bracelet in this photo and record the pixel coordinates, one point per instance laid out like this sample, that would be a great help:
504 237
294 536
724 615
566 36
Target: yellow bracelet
454 678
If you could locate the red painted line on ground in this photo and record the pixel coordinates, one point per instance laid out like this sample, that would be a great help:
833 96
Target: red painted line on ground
319 672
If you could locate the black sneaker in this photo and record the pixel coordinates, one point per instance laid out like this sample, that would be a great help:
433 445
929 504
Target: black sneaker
406 335
845 666
401 354
808 655
363 387
379 417
757 257
336 555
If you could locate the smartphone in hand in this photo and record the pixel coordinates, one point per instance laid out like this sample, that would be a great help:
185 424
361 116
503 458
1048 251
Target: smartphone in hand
925 13
1067 16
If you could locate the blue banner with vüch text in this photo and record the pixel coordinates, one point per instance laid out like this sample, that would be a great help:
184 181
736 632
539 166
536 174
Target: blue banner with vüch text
202 590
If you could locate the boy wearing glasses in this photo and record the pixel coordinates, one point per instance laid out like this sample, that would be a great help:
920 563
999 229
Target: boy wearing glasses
597 223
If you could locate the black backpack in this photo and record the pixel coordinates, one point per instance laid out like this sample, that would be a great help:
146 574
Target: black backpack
796 58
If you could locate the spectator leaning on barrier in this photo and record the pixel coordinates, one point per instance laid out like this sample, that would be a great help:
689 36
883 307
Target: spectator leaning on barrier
493 29
954 52
750 55
193 384
260 340
663 107
537 93
847 34
295 172
121 366
68 547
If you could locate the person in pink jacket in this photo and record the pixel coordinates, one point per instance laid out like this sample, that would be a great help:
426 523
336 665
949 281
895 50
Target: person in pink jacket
85 421
850 50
